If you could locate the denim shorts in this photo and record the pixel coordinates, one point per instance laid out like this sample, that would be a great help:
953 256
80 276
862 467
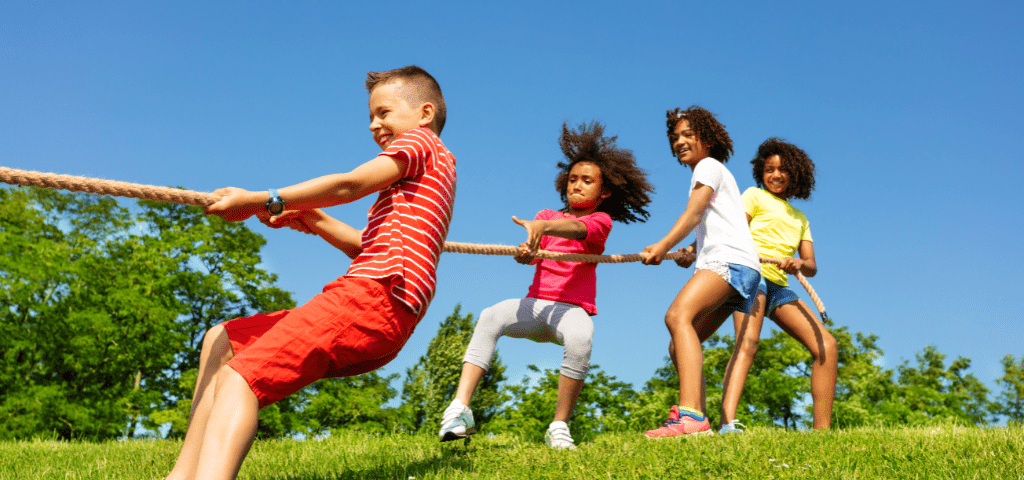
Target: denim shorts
775 295
745 281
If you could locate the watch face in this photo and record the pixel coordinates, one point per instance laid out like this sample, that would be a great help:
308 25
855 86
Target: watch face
275 208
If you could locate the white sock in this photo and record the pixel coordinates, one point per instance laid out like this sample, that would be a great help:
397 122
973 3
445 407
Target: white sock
555 425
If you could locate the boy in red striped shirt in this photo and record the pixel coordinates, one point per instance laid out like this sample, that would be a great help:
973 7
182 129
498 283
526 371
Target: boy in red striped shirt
361 320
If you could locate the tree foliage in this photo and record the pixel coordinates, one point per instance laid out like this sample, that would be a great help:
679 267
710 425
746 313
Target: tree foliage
355 403
430 384
934 392
98 322
1010 403
602 404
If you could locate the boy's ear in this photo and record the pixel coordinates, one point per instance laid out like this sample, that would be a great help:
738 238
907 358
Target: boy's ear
427 112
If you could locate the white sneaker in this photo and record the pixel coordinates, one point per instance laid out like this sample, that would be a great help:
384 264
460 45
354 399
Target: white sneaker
732 427
558 436
457 422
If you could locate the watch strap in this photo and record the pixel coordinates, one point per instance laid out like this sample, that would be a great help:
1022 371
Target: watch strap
275 200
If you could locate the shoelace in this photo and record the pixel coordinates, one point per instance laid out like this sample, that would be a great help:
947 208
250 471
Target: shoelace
561 434
451 413
671 421
736 423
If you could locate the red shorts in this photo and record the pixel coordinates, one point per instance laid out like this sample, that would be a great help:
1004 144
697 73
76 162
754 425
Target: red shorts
353 327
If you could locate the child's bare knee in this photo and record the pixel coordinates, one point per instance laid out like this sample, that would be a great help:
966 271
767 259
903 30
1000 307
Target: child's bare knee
217 345
829 349
673 321
748 346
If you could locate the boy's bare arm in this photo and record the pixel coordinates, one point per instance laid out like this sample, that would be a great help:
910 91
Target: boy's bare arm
337 233
237 204
339 188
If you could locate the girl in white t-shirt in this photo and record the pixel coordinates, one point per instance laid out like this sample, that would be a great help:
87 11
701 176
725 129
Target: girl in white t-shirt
727 271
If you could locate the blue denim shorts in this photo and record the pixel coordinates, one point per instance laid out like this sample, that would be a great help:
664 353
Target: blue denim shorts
745 281
775 295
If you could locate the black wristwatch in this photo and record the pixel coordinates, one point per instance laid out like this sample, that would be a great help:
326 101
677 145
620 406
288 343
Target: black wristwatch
275 206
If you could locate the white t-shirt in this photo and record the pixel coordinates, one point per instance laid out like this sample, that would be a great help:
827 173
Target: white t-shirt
722 235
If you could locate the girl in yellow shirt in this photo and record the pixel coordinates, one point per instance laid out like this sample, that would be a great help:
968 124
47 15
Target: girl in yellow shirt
782 171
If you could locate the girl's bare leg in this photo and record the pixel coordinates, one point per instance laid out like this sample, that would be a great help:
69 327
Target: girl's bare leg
470 378
705 328
695 312
748 332
215 352
796 319
568 394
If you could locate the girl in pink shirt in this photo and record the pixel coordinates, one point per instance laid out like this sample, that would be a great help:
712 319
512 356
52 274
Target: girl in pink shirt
599 183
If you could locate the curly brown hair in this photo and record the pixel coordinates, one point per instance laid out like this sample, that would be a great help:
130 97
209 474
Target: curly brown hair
709 131
422 88
627 183
795 162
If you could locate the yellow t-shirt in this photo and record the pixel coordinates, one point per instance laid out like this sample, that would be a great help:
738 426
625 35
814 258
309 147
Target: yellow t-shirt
777 228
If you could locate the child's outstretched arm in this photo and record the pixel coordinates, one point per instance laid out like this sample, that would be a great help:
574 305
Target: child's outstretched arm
337 233
536 229
699 201
236 204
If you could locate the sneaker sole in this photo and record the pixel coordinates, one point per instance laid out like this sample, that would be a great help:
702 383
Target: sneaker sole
703 433
450 436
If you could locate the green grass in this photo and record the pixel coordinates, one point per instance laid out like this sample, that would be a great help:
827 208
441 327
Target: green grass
927 452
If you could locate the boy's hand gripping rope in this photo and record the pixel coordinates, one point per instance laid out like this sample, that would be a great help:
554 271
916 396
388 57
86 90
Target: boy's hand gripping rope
188 197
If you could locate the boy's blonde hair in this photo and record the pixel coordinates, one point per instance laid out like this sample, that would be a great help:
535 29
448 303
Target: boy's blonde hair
420 88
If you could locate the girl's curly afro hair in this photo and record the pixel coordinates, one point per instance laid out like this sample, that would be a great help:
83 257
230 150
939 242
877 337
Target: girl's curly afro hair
630 190
795 162
709 131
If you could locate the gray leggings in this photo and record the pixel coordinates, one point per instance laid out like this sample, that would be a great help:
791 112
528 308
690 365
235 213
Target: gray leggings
538 320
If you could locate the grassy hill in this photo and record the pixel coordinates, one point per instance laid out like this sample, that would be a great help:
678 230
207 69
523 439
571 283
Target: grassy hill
929 452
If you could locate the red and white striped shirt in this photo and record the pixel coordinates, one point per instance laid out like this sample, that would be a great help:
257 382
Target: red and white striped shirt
409 221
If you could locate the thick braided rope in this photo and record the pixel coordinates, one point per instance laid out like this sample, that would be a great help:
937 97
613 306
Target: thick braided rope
508 250
807 286
105 187
188 197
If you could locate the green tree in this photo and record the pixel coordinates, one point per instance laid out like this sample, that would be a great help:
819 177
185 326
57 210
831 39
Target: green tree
1010 402
355 403
85 332
603 404
430 384
932 392
863 389
215 277
104 308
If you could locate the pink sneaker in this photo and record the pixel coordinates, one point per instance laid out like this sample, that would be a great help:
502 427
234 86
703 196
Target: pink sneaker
679 425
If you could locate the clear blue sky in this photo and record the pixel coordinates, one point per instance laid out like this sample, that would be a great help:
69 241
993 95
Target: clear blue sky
912 112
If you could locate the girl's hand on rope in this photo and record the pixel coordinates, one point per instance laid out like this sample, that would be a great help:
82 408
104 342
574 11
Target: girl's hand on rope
534 232
525 255
688 257
790 265
653 254
233 204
